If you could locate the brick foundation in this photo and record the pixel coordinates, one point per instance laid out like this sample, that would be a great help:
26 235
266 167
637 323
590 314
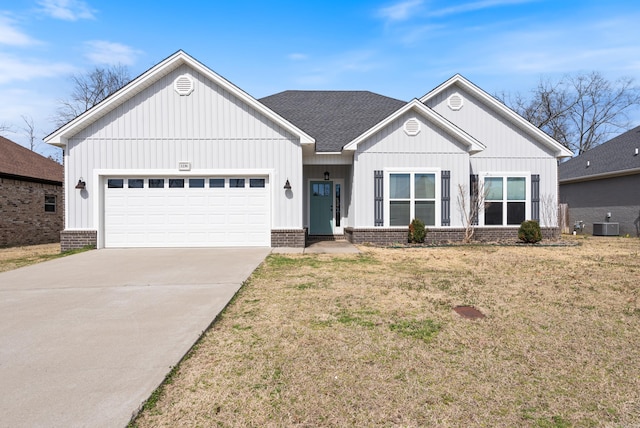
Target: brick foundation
388 236
23 219
288 238
74 239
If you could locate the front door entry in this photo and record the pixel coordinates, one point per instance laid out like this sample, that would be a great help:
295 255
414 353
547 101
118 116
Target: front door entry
321 208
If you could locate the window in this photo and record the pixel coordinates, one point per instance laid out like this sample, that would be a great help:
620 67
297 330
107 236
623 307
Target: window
196 182
176 183
412 195
256 182
115 183
135 183
505 201
236 182
49 203
216 182
321 189
156 183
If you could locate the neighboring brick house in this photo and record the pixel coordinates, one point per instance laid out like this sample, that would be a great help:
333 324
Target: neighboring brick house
31 204
603 185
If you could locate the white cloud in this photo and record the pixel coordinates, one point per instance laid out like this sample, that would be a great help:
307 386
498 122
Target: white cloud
67 10
297 56
400 11
12 36
331 70
474 6
103 52
14 69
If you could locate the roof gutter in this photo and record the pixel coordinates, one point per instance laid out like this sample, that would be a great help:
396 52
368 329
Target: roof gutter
613 174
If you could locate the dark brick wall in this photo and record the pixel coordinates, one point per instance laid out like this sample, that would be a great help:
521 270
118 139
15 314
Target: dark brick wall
74 239
590 201
387 236
23 220
288 238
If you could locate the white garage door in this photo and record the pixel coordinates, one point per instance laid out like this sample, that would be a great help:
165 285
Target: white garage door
187 212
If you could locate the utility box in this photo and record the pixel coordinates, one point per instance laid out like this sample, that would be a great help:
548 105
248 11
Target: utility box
606 229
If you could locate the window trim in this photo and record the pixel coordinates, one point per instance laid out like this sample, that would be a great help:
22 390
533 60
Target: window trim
412 172
53 204
527 195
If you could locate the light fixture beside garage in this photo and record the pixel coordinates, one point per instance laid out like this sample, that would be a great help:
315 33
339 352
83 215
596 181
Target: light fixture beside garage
287 185
81 184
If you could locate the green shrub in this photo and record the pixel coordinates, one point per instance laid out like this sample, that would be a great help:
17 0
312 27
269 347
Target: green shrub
530 232
417 231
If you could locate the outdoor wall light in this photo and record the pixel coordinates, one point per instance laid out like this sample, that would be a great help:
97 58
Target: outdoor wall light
326 175
287 186
81 184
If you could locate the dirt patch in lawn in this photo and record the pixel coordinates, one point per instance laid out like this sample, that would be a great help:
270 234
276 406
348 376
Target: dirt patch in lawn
372 340
15 257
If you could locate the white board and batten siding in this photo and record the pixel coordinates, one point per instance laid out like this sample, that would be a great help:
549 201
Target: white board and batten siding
392 149
152 132
508 147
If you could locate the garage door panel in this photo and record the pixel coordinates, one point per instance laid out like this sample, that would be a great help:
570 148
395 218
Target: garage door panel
173 217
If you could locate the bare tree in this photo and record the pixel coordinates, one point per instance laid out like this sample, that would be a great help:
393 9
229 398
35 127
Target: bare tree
471 204
90 89
29 130
548 209
579 111
5 128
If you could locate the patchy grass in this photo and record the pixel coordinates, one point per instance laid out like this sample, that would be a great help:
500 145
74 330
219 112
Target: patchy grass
372 340
16 257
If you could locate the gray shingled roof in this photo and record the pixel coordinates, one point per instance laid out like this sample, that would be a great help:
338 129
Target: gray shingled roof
613 156
333 118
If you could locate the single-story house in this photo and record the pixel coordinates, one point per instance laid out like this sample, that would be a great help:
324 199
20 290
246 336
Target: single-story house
182 157
602 186
30 196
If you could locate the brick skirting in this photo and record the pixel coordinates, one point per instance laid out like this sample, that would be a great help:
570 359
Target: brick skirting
398 235
74 239
288 238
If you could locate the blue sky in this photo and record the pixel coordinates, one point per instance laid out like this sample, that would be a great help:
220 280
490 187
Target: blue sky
401 48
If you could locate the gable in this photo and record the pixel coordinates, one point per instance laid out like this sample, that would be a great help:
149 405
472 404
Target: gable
490 121
118 103
210 111
393 138
426 115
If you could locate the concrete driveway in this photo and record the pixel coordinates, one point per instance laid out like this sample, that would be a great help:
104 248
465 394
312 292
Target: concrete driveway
85 339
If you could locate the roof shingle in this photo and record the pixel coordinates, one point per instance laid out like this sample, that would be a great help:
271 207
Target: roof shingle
333 118
19 161
617 154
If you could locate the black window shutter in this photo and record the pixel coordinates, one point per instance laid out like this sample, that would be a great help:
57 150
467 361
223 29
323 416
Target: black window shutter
446 198
378 201
473 197
535 197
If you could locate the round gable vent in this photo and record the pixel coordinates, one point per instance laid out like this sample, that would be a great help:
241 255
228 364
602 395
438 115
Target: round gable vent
183 85
455 102
412 126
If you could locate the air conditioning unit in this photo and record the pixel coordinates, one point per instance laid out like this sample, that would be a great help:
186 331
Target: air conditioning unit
606 229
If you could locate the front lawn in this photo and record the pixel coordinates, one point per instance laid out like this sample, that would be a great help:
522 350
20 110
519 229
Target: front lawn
15 257
372 340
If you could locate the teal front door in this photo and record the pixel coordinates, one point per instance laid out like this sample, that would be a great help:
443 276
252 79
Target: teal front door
321 208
